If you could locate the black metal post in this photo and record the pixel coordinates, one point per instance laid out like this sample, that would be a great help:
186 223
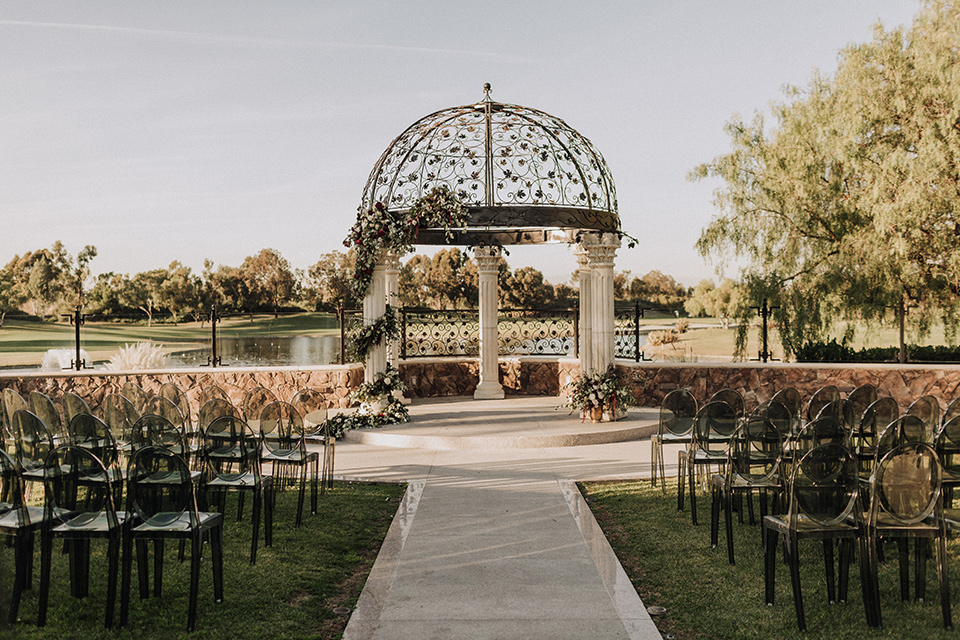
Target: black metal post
636 331
213 360
403 332
765 312
576 330
343 333
77 320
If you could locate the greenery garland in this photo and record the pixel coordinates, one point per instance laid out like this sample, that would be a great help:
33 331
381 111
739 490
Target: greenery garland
378 230
386 327
382 388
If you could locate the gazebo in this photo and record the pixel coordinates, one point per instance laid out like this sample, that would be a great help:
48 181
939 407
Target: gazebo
524 177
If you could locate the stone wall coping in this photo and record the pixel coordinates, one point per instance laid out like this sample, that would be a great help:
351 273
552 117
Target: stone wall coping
850 366
92 373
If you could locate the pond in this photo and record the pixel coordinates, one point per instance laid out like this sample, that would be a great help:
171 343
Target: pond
264 352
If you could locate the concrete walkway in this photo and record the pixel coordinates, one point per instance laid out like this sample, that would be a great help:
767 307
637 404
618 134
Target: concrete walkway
494 541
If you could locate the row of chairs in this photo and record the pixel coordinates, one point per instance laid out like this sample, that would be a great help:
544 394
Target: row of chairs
874 474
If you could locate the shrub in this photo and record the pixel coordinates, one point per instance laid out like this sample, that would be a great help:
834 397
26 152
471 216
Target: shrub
658 338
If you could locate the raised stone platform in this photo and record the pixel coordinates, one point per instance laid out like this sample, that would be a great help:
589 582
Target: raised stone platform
513 423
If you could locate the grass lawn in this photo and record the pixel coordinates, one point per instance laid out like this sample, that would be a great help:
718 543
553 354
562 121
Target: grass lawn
671 564
24 343
290 593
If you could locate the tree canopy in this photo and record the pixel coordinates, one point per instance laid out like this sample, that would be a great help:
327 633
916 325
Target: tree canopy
847 205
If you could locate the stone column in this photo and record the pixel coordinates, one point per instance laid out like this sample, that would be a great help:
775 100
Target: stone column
586 311
601 251
391 286
374 305
488 263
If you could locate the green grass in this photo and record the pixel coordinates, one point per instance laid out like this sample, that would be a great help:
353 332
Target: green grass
671 564
24 343
289 593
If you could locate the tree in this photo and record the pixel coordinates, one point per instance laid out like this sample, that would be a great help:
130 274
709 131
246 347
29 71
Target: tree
75 273
107 296
269 279
525 288
709 300
143 292
848 205
11 294
658 289
330 281
179 292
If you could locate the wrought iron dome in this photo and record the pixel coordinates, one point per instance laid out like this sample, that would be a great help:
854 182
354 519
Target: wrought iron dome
524 176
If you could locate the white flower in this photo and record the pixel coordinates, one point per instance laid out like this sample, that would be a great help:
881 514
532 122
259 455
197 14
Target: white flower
386 381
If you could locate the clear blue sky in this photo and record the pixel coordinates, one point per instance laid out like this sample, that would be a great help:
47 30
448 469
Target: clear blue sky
184 130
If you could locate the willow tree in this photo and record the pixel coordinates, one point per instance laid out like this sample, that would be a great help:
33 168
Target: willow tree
847 205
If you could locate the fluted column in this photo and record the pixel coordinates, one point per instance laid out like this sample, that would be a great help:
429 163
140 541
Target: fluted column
392 290
586 311
374 305
488 263
601 252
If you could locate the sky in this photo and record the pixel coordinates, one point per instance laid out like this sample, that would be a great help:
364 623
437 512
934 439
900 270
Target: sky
199 129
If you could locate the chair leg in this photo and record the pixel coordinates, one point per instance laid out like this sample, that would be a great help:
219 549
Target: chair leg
270 501
714 516
216 548
829 571
127 564
691 474
654 464
23 558
143 571
314 485
195 547
46 553
728 523
944 580
870 605
681 479
846 550
257 499
158 546
301 492
903 554
113 562
920 569
770 561
793 553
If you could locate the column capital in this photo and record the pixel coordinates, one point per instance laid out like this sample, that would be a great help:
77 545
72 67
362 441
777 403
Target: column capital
390 260
488 258
601 248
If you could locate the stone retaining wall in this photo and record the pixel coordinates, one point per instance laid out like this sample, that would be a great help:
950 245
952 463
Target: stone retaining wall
435 377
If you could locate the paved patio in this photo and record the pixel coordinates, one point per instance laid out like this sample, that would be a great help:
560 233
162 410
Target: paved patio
492 539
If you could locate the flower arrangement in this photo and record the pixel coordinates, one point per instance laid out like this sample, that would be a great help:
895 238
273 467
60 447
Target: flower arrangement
386 327
377 229
602 391
379 405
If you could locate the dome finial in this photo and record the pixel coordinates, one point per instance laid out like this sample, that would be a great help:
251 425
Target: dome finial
486 91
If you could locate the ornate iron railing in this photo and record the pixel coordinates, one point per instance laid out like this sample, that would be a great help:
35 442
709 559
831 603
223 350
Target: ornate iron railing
626 332
428 332
552 332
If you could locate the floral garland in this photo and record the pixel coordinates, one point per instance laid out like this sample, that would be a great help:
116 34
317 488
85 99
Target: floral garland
368 416
604 390
384 328
377 230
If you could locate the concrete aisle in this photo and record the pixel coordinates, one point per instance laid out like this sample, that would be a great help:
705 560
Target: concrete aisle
496 543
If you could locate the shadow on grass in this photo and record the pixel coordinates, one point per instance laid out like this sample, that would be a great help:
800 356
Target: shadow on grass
671 564
290 593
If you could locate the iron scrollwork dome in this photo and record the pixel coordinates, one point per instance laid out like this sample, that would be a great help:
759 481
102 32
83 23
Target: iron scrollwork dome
524 176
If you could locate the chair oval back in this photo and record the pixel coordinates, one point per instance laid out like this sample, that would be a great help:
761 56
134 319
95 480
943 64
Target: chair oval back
211 392
78 489
821 431
732 397
778 414
135 394
73 406
32 439
755 449
119 414
152 430
312 406
13 508
175 394
908 429
861 398
254 402
907 485
927 408
213 409
790 398
91 433
228 439
842 411
824 485
160 406
952 410
48 411
12 402
281 428
948 448
875 419
714 425
678 410
821 397
160 488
